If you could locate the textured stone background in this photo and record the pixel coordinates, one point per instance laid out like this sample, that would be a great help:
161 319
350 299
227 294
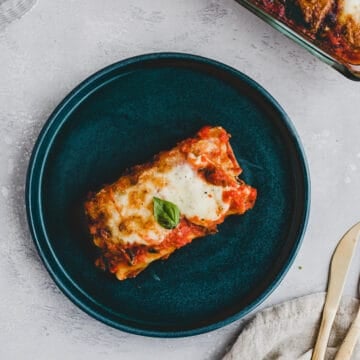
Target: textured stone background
53 47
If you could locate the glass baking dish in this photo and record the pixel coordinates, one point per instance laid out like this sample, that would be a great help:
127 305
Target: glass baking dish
351 71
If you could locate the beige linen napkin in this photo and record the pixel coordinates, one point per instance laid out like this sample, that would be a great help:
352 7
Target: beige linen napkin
288 331
13 9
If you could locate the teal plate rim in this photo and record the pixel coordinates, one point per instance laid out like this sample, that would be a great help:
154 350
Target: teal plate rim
33 195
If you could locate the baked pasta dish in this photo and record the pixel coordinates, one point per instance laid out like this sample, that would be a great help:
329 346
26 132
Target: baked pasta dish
160 206
333 25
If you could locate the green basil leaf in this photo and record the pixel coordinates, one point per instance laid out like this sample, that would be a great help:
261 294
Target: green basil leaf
166 213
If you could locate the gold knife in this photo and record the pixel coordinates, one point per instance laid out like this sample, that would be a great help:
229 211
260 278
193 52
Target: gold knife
340 264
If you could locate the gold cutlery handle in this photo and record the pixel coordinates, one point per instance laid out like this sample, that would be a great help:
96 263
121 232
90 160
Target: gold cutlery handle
324 333
351 338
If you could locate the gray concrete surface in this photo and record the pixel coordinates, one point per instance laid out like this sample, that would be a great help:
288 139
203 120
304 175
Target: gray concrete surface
53 47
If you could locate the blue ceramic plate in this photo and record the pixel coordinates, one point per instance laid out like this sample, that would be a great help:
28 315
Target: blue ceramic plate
120 117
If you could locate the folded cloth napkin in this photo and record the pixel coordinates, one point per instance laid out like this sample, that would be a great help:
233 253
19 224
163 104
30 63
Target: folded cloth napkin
288 331
13 9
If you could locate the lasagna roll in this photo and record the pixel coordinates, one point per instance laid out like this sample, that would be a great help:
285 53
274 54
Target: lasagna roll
160 206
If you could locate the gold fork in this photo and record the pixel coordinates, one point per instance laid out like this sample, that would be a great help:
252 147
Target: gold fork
347 347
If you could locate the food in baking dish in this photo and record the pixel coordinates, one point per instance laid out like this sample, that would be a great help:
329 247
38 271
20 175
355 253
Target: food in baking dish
158 207
333 25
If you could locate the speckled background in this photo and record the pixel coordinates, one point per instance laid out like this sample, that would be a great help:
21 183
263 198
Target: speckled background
53 47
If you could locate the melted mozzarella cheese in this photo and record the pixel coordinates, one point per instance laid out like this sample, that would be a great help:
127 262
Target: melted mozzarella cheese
194 196
352 7
197 200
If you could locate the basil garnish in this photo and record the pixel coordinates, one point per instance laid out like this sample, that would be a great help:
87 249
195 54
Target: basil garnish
166 213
